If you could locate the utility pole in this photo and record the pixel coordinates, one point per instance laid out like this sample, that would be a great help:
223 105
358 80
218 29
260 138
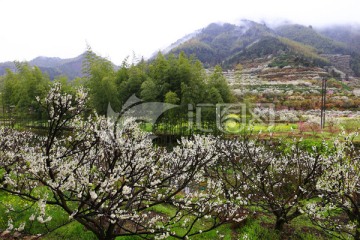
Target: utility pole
323 102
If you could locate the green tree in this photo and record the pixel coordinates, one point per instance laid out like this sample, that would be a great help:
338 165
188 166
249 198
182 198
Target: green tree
194 87
1 97
215 96
218 81
131 81
101 82
171 97
20 90
149 90
10 82
159 71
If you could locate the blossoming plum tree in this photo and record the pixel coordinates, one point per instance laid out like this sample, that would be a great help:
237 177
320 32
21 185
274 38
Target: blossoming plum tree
276 179
338 211
112 181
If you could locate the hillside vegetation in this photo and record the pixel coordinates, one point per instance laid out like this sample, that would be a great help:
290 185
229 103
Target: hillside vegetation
228 45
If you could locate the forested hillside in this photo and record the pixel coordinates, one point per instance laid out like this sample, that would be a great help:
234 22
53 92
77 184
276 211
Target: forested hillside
296 45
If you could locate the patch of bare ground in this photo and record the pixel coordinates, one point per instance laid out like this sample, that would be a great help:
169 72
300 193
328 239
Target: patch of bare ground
6 235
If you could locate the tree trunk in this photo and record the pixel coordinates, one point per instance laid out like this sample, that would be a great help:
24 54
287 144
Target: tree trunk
109 237
109 232
105 237
357 233
279 225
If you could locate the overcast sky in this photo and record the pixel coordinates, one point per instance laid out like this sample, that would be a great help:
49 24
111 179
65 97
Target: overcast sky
115 28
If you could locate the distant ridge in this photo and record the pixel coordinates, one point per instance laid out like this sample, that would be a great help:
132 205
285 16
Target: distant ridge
53 66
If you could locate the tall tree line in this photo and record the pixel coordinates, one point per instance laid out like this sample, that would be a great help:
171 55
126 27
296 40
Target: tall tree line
176 79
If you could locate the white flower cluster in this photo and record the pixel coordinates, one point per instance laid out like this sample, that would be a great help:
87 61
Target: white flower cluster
279 115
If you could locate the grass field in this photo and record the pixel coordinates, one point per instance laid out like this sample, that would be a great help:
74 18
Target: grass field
258 225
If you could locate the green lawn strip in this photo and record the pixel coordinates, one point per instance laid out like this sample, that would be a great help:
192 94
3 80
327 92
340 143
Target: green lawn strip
71 231
257 229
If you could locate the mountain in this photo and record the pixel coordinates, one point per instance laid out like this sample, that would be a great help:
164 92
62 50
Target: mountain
216 42
53 66
282 51
285 45
346 34
5 65
309 36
